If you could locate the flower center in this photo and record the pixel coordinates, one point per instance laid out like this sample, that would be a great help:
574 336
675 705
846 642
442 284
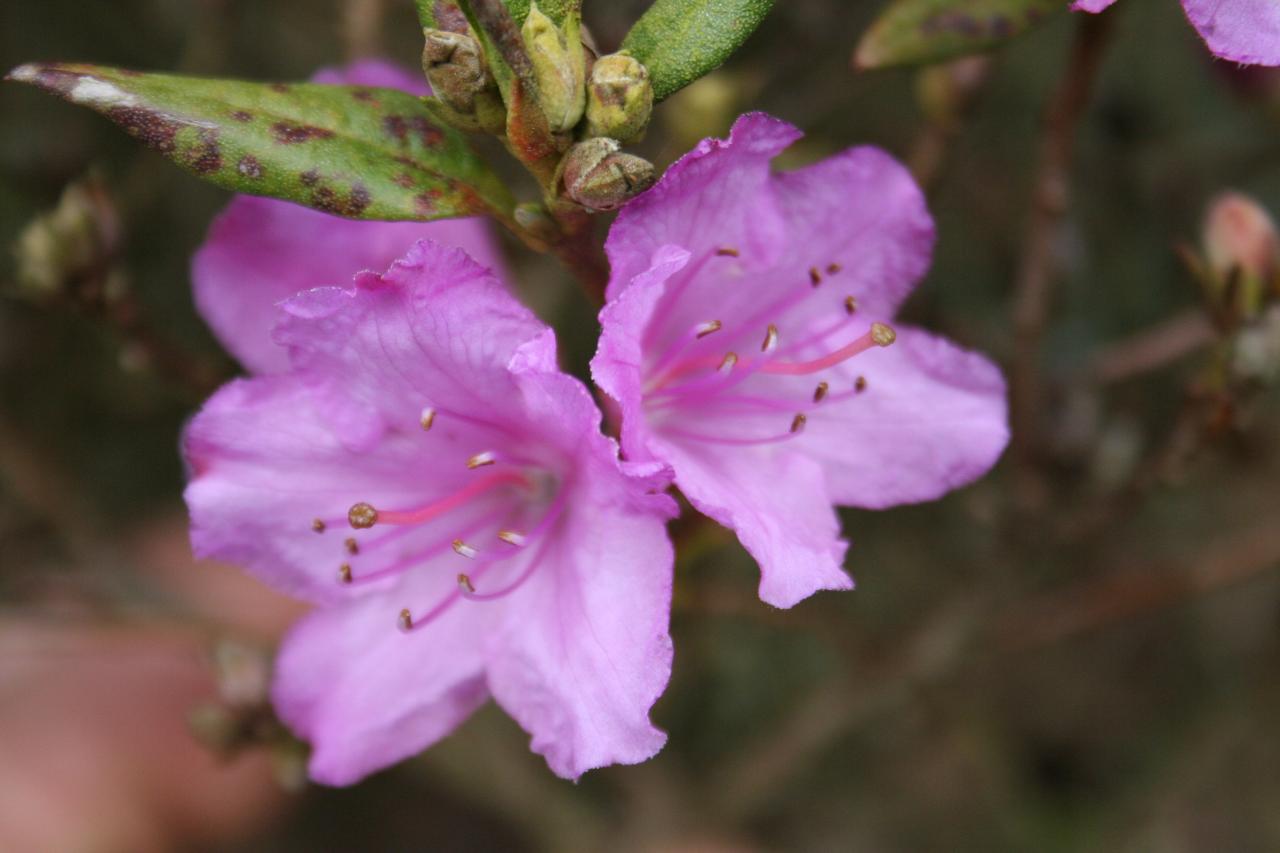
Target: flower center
482 523
692 374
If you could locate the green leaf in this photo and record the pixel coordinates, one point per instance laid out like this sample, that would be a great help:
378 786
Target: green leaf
681 40
913 32
355 151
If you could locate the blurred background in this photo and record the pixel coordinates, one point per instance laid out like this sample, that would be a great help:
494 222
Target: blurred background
1079 652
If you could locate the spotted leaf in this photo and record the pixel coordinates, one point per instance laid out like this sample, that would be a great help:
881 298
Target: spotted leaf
355 151
918 32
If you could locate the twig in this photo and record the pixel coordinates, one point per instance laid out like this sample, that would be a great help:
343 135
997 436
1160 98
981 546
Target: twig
1034 288
362 28
1152 348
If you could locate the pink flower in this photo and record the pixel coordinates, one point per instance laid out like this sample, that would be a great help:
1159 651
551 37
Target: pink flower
425 473
260 251
745 342
1244 31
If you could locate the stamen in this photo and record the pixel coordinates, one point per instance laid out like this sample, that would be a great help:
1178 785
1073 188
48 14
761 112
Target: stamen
883 335
462 549
850 305
860 384
833 268
464 583
728 362
481 459
728 252
352 546
798 422
770 339
511 537
344 573
427 418
704 329
880 335
815 276
405 620
318 525
362 516
820 392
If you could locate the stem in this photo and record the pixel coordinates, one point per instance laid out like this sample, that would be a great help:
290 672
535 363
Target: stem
362 28
1036 274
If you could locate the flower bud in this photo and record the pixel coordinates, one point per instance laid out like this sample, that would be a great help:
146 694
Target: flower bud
1240 238
559 67
455 68
619 98
76 241
599 176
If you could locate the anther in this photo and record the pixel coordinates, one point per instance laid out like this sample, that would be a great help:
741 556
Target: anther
798 422
462 549
511 537
427 418
482 459
770 339
704 329
850 305
352 546
362 515
728 252
727 363
833 268
883 335
406 620
318 525
344 573
820 392
465 583
815 276
860 384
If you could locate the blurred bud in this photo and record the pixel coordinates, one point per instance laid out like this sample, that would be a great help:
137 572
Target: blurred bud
1256 355
1239 233
598 176
455 68
947 91
242 672
535 220
559 67
77 240
619 98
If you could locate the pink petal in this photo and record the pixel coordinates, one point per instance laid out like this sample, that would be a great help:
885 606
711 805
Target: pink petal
377 73
777 504
933 418
260 251
437 330
1094 6
366 695
584 650
1244 31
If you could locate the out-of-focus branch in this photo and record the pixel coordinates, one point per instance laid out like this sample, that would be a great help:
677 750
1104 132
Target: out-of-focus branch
1033 290
1151 348
362 28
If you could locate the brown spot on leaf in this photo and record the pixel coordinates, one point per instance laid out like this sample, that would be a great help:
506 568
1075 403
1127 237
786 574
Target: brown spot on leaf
404 179
396 126
365 95
205 156
293 134
359 200
152 128
249 167
428 133
309 178
242 115
282 88
425 202
326 199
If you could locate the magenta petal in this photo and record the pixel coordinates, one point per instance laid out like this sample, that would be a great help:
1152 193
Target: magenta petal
584 651
260 251
1094 6
366 695
376 73
933 418
1244 31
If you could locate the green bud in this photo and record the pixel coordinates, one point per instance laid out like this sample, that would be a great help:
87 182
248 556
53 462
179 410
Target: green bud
619 98
76 241
599 176
559 67
455 67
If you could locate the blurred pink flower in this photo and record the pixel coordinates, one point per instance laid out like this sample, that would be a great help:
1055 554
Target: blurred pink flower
260 251
510 552
740 341
1244 31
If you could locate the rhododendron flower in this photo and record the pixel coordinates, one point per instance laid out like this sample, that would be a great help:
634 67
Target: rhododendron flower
746 340
1244 31
260 251
426 474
